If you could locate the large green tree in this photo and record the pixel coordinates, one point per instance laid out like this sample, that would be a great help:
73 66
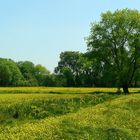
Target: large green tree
115 41
10 74
68 68
75 69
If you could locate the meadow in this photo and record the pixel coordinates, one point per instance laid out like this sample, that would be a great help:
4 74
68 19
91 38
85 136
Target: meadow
39 113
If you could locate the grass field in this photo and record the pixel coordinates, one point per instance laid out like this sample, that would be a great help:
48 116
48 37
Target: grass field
69 114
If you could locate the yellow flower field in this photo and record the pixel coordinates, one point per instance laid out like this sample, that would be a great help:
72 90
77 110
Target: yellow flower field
69 113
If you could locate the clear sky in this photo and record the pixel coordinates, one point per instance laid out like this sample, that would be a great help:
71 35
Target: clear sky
39 30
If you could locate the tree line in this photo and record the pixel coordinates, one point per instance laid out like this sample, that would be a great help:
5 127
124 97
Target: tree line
23 73
112 58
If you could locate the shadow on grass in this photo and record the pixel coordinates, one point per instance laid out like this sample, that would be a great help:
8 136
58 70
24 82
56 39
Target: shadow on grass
96 92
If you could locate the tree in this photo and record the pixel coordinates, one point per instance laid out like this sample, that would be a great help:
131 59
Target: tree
10 74
51 80
67 68
115 41
41 73
27 69
75 69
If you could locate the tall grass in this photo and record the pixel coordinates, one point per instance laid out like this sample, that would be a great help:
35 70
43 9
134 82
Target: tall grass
68 114
39 106
117 119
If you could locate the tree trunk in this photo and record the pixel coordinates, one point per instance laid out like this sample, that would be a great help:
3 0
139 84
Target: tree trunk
125 88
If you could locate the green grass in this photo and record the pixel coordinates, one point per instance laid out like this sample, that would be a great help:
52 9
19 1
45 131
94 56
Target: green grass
39 106
77 116
61 90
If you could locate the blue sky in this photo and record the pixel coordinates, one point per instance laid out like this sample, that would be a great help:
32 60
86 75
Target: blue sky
39 30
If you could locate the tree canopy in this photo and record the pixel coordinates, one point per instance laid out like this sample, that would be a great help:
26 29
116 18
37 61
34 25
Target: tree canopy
75 69
10 74
115 42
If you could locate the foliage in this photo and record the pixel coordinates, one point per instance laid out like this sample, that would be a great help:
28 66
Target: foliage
10 74
115 43
75 69
24 73
27 69
41 74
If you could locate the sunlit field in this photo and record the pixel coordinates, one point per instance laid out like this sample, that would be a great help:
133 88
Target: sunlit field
69 113
61 90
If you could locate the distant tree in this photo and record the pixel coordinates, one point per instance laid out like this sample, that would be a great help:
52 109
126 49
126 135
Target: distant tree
75 69
27 69
52 80
67 67
10 74
69 76
41 74
115 41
